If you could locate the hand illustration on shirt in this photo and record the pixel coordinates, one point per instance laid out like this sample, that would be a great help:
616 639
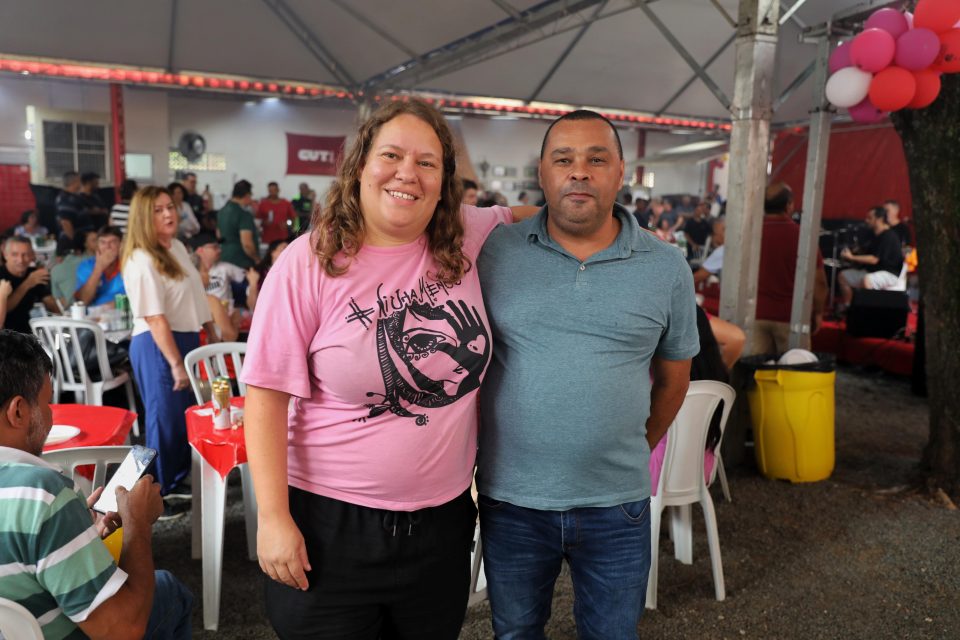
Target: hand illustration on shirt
429 357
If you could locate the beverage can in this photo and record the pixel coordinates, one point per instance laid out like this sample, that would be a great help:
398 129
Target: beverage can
220 388
78 311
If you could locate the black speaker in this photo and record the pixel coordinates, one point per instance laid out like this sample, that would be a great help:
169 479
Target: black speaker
877 314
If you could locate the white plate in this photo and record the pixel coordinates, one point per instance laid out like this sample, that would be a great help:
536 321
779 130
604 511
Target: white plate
61 433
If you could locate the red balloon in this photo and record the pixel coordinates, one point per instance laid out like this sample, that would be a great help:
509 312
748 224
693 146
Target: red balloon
873 50
948 61
892 89
928 88
936 15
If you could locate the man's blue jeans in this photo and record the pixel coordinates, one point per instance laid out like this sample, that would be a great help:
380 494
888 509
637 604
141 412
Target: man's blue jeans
172 606
607 548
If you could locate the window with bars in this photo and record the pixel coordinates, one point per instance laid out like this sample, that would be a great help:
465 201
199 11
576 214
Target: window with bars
74 146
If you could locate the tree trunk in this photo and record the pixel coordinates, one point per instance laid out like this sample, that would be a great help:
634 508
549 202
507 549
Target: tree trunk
931 141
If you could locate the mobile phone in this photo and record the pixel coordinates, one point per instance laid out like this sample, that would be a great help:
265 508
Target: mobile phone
130 470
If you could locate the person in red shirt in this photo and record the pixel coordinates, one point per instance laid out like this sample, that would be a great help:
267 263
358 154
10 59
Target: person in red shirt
778 264
275 212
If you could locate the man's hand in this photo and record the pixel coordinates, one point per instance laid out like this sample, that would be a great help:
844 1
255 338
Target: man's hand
142 505
253 276
105 258
106 523
37 277
846 254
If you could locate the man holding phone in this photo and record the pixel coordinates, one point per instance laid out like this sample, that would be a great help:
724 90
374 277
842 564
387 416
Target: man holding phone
60 570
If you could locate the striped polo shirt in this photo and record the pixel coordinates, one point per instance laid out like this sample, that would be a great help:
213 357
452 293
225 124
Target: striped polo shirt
51 559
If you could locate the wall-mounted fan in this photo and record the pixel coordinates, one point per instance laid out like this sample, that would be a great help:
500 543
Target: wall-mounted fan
191 145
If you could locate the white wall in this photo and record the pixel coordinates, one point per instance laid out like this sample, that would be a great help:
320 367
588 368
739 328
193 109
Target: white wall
675 178
146 115
252 137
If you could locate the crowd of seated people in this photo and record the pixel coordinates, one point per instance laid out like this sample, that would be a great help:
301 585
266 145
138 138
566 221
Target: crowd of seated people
85 267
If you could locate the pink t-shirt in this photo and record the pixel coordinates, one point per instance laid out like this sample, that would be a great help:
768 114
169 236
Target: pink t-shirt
384 363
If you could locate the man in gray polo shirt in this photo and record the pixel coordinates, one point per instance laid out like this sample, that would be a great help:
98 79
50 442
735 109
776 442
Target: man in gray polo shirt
594 325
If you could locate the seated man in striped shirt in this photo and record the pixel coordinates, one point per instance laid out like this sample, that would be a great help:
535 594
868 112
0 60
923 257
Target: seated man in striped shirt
52 560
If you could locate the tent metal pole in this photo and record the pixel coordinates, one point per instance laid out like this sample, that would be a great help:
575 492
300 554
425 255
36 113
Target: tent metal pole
686 55
749 152
818 145
298 27
566 52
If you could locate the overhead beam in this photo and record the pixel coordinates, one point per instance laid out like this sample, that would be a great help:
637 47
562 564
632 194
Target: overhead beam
370 24
298 28
172 40
723 12
508 8
566 52
688 58
795 84
686 85
440 60
789 13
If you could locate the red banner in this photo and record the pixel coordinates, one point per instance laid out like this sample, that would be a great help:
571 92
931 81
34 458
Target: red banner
313 155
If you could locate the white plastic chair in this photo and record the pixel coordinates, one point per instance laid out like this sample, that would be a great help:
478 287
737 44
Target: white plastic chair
478 580
209 489
61 337
16 623
682 483
214 359
100 457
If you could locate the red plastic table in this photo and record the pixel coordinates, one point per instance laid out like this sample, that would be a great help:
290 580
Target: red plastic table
99 426
215 454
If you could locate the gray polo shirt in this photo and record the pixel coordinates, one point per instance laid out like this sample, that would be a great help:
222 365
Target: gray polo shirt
567 395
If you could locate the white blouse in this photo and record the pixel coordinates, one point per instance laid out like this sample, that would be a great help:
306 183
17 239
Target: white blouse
183 302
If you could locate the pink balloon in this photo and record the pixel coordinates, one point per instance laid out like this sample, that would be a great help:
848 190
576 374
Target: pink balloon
866 113
917 49
840 57
890 20
873 50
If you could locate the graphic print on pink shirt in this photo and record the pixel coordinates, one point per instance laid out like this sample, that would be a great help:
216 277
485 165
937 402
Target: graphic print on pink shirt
430 356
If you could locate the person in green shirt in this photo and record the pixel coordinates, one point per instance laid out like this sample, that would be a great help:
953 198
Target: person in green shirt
303 205
63 276
237 229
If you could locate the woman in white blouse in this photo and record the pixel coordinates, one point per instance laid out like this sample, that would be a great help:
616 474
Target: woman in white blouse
169 307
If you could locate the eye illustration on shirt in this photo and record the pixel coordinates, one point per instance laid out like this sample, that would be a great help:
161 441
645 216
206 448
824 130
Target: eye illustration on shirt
429 357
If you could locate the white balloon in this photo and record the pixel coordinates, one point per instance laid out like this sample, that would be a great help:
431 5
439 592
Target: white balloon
848 87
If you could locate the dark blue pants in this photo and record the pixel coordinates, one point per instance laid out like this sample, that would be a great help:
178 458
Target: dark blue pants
166 424
607 548
172 606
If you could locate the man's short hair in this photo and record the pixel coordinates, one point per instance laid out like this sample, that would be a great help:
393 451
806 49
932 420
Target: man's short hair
189 174
70 177
582 114
879 213
242 189
273 184
25 367
109 230
777 198
14 238
127 188
469 184
893 203
88 177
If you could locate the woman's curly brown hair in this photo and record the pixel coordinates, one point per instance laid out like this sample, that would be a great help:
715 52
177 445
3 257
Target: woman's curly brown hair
339 226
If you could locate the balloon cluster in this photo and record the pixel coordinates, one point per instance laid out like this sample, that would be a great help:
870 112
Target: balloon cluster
896 61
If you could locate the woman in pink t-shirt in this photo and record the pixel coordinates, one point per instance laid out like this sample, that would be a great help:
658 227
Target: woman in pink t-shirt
374 326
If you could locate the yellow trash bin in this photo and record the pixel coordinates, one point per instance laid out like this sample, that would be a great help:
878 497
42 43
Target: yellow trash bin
792 411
